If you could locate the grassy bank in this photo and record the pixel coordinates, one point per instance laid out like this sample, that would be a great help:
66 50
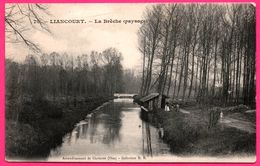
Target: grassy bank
190 134
42 124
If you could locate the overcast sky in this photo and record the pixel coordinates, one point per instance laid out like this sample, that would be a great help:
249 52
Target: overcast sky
77 39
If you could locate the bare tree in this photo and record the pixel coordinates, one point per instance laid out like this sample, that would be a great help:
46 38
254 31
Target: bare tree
216 51
20 18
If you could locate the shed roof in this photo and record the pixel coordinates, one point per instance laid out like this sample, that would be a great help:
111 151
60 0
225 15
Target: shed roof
149 97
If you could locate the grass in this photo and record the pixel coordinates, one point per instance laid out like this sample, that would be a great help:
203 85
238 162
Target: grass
41 126
190 134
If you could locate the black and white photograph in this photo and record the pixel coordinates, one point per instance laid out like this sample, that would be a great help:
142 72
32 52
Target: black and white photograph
130 82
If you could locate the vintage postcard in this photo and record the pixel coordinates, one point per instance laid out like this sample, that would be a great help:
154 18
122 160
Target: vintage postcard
128 82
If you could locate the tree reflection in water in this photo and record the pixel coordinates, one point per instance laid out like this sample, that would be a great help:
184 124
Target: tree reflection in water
115 128
109 120
93 122
112 123
146 139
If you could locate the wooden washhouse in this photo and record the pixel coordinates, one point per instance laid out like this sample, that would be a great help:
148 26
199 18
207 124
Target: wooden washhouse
150 102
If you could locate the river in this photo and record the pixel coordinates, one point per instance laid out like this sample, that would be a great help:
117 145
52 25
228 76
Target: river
113 132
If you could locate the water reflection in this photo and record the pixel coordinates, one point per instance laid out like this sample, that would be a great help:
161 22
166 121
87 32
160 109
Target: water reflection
109 121
114 128
147 144
112 123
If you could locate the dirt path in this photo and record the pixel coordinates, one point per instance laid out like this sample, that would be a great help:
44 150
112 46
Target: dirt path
240 124
235 120
184 111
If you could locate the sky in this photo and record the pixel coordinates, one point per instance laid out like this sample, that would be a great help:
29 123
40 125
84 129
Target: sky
77 39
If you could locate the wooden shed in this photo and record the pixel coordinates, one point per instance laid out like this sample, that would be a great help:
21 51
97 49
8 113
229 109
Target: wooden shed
151 101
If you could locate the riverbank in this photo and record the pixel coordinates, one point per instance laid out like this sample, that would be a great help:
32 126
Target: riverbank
42 125
190 132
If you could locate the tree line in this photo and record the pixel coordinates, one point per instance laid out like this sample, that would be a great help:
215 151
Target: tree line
199 51
55 77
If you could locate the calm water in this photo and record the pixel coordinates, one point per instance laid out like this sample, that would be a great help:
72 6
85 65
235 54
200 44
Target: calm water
113 129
